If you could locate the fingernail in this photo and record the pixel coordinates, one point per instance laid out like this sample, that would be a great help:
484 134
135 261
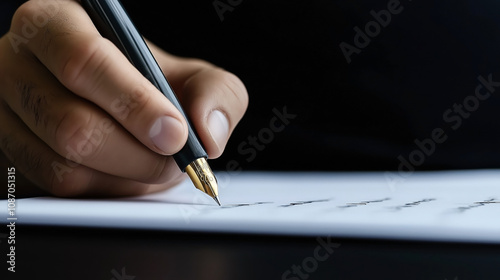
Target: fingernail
218 126
166 133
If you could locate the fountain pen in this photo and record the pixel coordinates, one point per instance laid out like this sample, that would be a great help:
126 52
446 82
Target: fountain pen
113 23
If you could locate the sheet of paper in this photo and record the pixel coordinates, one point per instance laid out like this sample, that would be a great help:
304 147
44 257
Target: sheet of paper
440 206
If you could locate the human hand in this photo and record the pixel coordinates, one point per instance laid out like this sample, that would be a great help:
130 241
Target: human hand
77 119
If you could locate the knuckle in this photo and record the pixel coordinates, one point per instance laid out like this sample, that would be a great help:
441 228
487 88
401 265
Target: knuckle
236 87
80 61
130 104
33 16
141 94
71 122
78 137
25 11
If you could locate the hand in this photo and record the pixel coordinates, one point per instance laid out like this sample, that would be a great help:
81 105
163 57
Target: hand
77 119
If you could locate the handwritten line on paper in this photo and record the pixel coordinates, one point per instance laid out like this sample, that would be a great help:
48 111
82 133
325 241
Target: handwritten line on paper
478 204
243 205
413 204
297 203
362 203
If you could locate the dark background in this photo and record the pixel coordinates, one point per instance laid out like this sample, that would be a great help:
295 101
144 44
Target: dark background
357 116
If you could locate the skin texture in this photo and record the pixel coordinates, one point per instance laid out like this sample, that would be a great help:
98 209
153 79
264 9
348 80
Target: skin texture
77 119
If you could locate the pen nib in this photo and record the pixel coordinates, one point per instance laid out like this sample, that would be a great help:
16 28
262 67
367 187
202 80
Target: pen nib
203 178
216 198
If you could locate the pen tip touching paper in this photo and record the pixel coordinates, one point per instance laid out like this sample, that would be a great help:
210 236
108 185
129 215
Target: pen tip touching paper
216 198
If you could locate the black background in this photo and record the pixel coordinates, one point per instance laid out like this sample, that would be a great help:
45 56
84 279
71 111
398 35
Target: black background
357 116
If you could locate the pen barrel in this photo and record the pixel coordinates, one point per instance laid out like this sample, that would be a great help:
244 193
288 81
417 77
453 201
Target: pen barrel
113 22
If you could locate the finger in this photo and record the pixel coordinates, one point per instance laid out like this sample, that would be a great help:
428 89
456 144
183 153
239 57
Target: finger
36 161
215 99
105 185
56 175
93 68
76 129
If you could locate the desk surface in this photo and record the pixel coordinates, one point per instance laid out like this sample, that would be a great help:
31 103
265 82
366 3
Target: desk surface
77 253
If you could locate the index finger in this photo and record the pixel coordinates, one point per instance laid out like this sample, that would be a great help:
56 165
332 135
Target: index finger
92 67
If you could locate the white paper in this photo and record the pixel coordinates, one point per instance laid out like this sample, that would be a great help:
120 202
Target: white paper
459 206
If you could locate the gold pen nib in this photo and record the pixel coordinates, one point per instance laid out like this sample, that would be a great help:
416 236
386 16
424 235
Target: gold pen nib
203 178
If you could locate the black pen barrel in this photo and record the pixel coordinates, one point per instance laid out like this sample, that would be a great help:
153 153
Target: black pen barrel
112 21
